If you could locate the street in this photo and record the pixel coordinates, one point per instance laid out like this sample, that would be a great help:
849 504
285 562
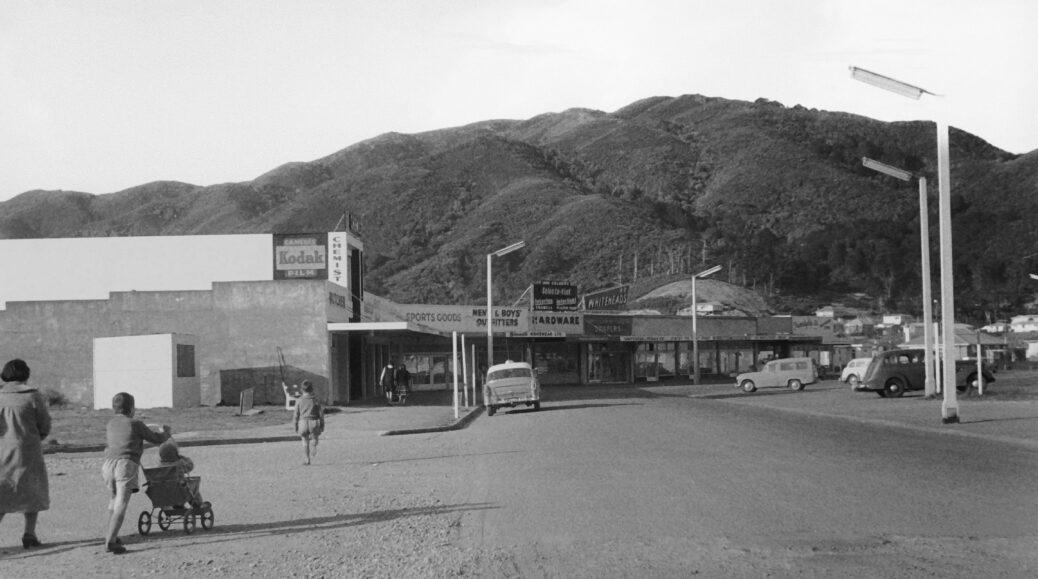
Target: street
602 482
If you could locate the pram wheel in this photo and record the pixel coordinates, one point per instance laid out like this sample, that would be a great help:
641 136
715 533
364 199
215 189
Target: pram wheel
207 518
164 520
189 524
144 523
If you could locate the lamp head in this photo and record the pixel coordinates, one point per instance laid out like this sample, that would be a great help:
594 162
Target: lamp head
886 169
504 250
710 271
887 83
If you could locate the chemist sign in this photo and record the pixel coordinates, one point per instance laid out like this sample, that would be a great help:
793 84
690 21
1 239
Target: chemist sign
301 256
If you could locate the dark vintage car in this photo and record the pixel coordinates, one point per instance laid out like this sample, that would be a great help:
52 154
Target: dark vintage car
892 373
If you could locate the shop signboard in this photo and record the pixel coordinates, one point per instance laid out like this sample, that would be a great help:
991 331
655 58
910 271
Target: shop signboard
554 296
610 299
300 256
339 307
607 326
466 319
338 264
554 325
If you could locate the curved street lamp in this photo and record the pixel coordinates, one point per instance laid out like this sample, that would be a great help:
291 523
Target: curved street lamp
950 403
695 316
490 306
929 387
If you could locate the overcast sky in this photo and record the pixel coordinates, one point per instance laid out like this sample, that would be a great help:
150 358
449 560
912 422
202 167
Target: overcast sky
98 96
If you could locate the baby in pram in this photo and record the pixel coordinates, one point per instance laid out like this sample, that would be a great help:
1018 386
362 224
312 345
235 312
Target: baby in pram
169 455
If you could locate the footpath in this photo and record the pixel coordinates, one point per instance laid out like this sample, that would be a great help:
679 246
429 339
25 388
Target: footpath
1014 420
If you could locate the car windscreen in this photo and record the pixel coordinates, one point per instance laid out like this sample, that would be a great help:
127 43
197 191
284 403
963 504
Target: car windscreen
509 373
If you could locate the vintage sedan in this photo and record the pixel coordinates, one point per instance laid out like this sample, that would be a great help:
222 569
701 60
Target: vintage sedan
511 384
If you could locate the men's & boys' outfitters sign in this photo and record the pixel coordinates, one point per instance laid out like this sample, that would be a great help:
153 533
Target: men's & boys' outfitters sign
470 319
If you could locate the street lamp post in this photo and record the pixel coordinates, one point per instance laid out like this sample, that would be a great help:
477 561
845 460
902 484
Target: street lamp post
950 404
490 304
695 329
929 388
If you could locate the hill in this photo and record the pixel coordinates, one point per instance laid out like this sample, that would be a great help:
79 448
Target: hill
775 194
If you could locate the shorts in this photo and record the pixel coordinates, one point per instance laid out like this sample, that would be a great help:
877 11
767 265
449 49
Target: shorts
309 427
121 472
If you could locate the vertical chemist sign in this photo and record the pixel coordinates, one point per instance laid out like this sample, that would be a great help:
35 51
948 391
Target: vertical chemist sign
338 272
300 256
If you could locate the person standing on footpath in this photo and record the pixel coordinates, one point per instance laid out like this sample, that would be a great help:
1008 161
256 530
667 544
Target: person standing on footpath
387 381
309 419
122 464
24 423
403 379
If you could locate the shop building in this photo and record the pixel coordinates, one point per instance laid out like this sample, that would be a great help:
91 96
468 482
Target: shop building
262 309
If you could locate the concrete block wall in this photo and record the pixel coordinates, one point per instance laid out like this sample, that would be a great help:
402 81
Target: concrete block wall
238 325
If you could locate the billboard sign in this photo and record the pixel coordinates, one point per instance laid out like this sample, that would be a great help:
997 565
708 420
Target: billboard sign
554 296
610 299
300 256
466 319
338 266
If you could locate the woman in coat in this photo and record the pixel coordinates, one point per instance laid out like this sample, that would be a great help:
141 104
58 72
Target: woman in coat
24 423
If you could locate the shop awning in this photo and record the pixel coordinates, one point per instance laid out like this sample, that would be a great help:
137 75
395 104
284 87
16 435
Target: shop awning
384 327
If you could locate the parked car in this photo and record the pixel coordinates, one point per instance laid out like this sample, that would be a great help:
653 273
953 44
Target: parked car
792 373
854 371
892 373
511 384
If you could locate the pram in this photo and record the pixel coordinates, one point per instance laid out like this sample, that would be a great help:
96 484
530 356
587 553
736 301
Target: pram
173 499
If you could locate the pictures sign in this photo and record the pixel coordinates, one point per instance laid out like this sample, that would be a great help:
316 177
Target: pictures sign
554 296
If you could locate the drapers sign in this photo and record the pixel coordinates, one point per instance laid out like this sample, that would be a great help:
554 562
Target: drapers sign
610 299
300 256
613 326
554 296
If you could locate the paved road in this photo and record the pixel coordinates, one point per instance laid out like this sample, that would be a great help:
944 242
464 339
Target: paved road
607 482
662 485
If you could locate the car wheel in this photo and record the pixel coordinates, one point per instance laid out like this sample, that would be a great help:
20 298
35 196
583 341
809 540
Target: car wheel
748 386
491 410
853 381
796 385
537 405
894 388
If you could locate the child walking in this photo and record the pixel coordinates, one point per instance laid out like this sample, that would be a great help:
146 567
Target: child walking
309 419
122 464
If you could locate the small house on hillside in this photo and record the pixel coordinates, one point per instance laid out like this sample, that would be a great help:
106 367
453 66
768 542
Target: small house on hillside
1025 323
859 326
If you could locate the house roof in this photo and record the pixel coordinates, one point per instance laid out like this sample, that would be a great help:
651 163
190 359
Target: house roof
963 338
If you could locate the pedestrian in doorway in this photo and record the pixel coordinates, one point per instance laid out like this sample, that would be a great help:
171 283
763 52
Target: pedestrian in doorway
309 420
24 423
126 437
403 379
387 380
